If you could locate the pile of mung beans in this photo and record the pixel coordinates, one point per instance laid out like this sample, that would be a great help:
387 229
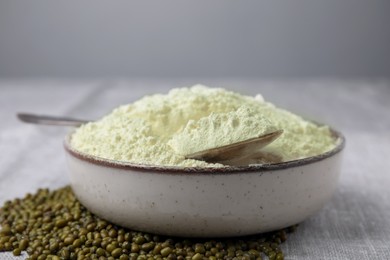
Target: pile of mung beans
54 225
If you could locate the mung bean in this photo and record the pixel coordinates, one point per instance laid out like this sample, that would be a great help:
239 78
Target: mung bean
54 225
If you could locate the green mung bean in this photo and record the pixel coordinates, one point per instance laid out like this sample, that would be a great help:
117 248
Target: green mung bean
54 225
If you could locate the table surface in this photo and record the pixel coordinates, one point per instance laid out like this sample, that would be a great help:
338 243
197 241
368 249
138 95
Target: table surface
355 224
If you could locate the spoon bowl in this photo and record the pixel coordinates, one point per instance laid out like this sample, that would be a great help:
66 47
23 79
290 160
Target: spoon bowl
224 154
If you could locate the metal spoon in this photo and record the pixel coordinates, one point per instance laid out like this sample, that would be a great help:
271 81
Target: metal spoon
219 154
235 151
50 120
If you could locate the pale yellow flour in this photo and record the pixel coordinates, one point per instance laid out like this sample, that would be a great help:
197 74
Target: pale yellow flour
161 129
220 129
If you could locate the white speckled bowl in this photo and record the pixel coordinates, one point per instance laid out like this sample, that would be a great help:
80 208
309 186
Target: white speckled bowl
205 202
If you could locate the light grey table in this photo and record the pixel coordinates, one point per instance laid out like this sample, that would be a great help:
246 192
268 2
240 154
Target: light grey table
355 224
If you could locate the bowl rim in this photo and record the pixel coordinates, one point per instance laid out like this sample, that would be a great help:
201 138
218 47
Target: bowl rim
340 144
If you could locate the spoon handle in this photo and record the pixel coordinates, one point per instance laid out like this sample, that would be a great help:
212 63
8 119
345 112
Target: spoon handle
50 120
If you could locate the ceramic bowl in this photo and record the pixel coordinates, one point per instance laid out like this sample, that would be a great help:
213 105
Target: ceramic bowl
204 202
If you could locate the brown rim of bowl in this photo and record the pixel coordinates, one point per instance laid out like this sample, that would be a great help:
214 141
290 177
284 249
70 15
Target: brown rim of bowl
204 170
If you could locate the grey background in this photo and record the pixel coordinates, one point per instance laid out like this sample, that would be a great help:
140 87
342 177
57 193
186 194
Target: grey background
172 38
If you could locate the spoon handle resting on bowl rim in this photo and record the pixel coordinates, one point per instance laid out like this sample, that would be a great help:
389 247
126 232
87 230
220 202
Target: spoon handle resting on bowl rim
50 120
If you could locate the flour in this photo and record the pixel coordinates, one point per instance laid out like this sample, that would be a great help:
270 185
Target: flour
220 129
162 129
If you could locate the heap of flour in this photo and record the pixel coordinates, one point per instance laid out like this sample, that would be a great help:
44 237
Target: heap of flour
220 129
162 129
